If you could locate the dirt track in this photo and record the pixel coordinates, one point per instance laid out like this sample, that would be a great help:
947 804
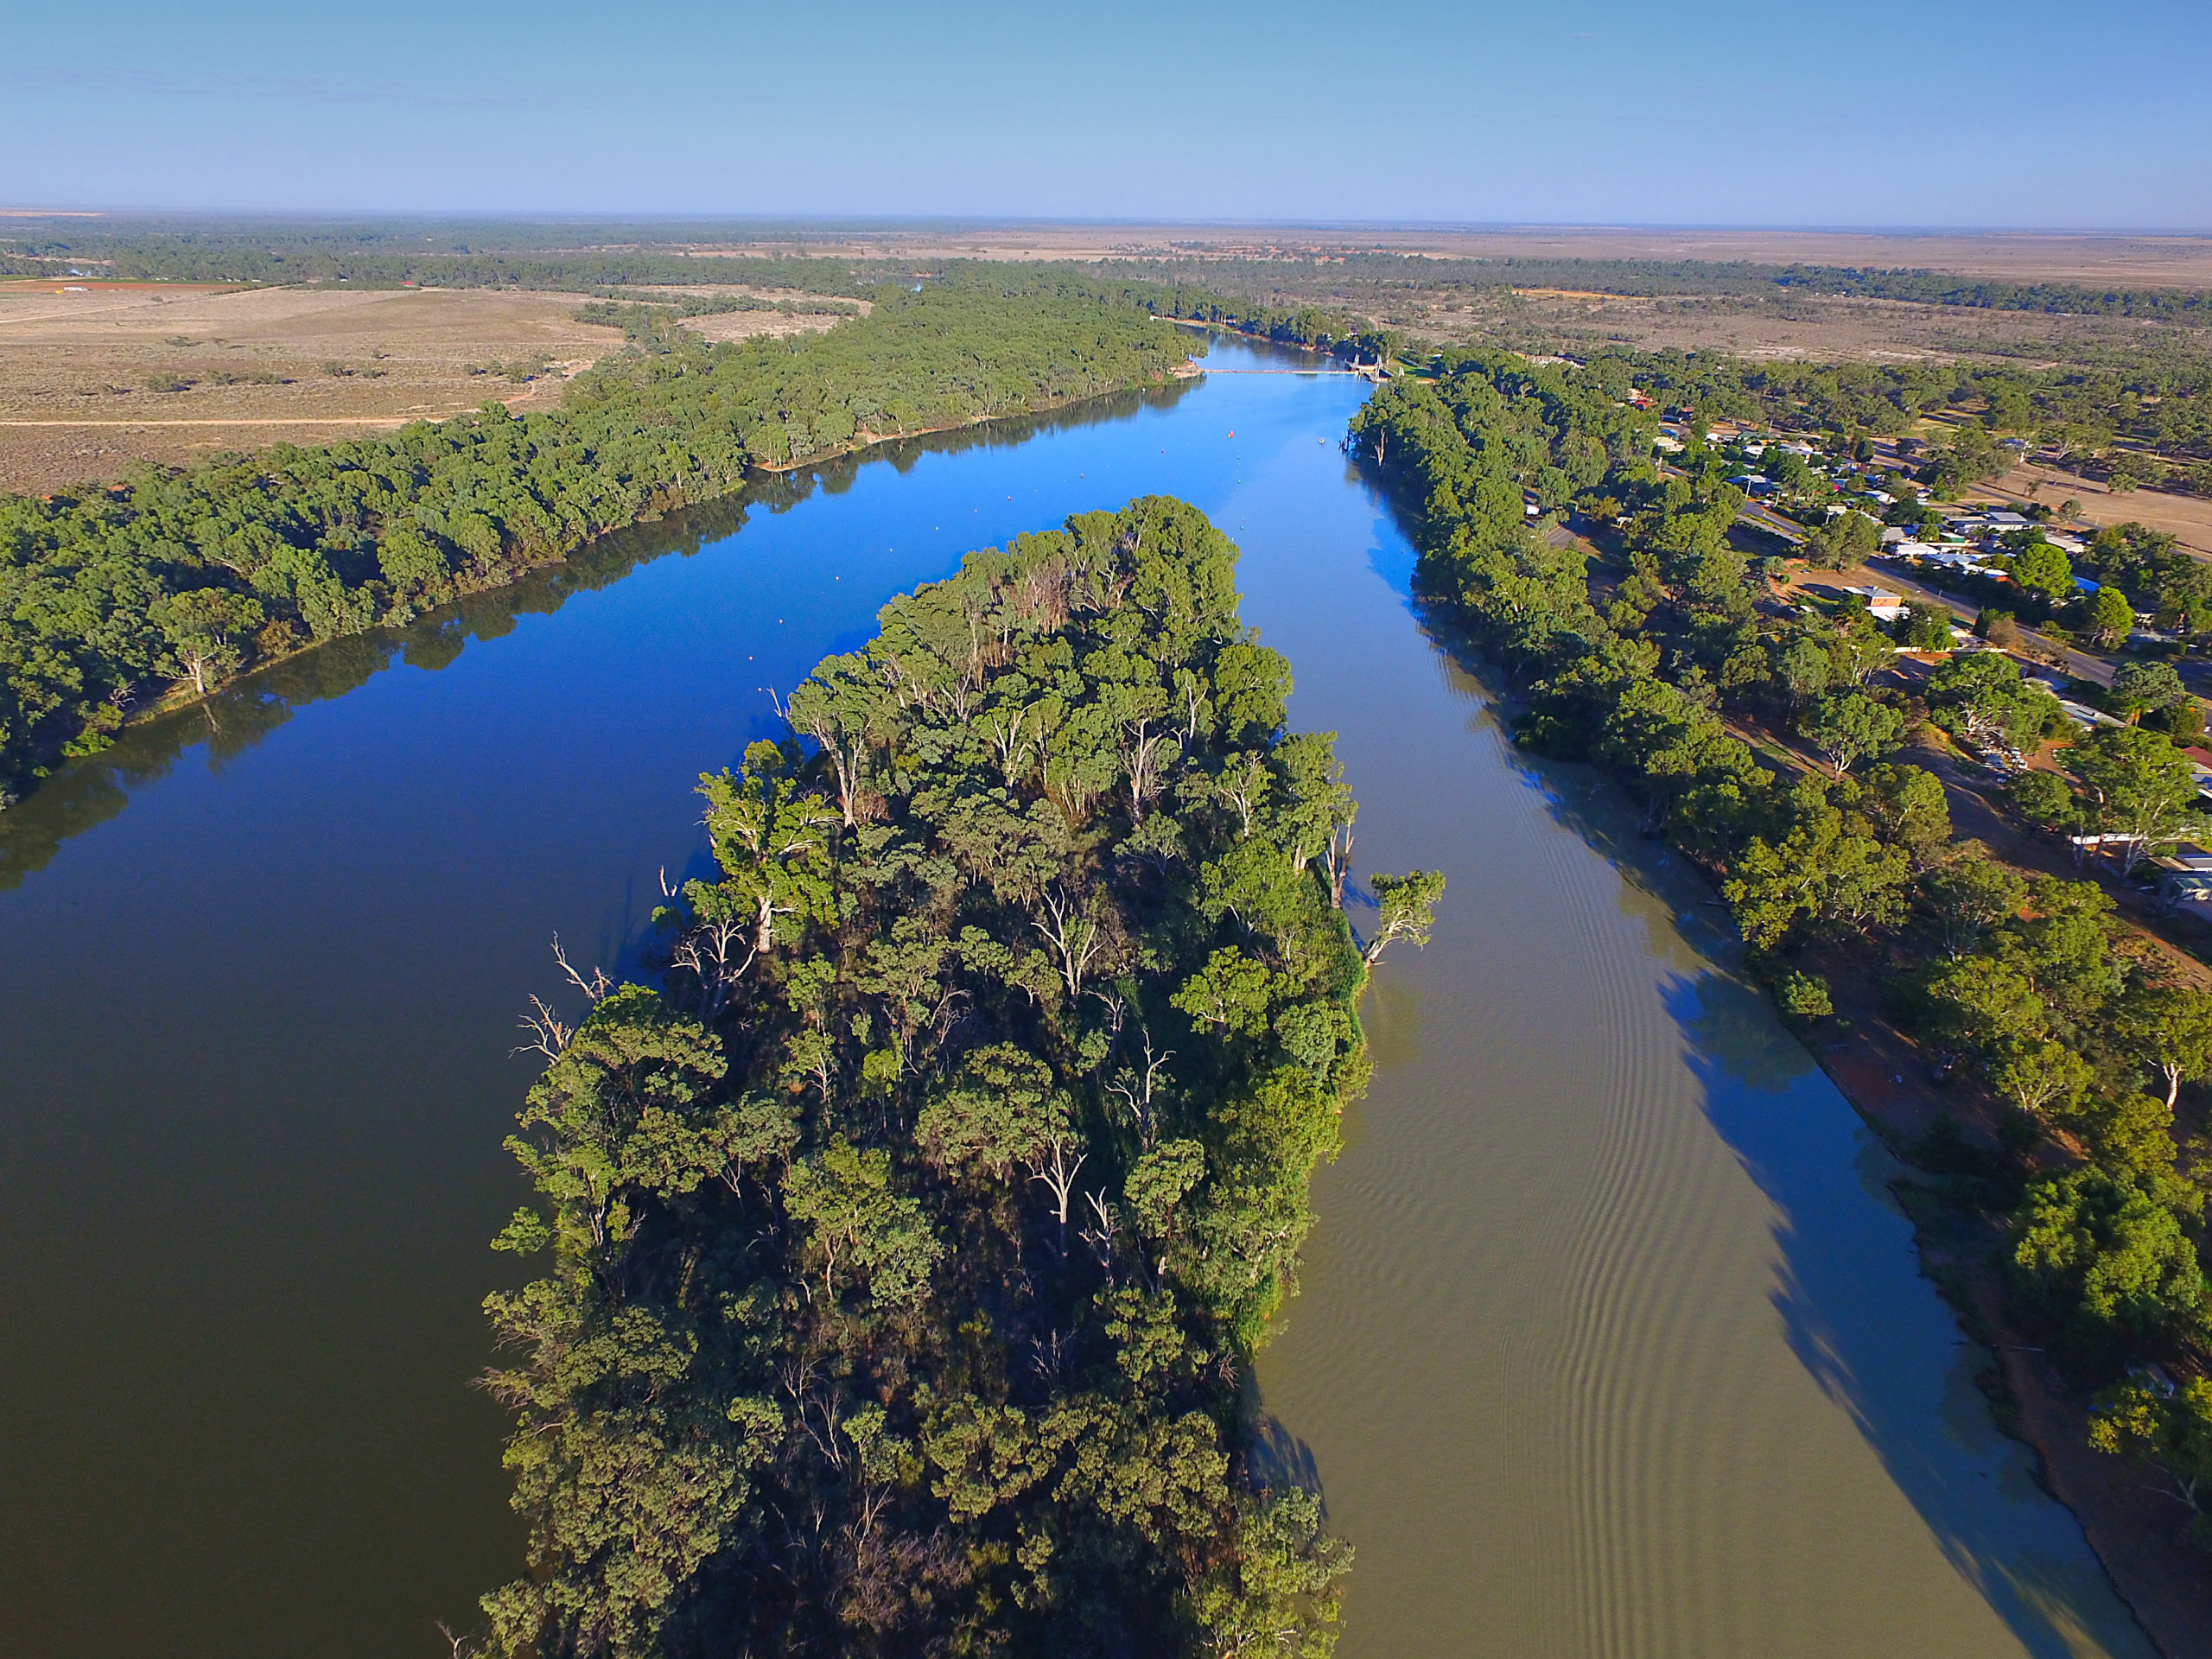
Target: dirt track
94 377
85 376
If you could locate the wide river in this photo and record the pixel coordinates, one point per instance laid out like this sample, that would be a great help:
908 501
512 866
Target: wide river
1610 1343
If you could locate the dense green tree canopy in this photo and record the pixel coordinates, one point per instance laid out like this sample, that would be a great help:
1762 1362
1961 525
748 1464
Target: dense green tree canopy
189 576
909 1250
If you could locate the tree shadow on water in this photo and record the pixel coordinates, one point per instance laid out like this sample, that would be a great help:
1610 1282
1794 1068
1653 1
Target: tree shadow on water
1873 1334
1868 1328
87 791
1275 1459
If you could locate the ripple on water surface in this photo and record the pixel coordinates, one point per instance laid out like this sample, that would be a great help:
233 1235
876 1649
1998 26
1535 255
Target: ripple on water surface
1607 1344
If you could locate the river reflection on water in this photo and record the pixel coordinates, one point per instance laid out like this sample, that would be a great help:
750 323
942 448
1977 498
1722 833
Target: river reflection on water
1610 1341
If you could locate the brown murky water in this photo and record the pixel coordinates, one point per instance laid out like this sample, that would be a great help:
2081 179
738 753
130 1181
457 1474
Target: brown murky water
1611 1342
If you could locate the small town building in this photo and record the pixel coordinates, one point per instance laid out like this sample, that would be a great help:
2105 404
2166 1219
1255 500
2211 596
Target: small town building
1881 603
2185 881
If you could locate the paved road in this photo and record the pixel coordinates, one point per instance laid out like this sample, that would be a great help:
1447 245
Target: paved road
2078 664
1766 518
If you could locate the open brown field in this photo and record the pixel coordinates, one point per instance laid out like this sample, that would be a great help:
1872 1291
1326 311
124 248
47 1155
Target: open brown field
93 380
745 325
96 376
1800 327
2141 261
2187 519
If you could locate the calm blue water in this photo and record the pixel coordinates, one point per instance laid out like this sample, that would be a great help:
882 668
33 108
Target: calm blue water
1606 1345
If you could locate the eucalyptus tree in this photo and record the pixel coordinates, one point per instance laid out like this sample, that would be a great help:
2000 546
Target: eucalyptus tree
903 1280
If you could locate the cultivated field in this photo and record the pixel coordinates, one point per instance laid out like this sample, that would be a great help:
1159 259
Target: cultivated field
95 377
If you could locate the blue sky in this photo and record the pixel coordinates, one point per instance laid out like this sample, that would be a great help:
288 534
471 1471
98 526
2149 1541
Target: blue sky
1939 112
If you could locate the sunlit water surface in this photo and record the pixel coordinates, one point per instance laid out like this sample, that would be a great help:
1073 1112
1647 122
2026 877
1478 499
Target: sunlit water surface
1610 1340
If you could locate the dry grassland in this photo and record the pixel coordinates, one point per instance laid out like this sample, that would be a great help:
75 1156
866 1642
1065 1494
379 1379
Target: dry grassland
85 376
1801 327
2021 256
94 380
2187 519
747 325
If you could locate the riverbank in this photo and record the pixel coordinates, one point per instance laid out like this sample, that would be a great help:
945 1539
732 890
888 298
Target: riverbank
1827 879
865 441
182 697
2131 1525
1884 1075
1889 1080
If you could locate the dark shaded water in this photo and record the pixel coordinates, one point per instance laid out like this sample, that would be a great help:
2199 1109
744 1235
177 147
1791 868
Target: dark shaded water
1611 1342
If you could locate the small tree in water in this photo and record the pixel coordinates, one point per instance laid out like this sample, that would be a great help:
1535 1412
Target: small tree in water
1407 903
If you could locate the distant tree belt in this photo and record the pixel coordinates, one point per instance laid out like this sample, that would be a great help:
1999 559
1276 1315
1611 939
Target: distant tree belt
2081 1034
184 262
909 1251
571 257
1652 278
190 576
1939 288
1298 325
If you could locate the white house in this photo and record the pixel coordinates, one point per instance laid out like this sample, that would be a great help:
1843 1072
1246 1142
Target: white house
1881 603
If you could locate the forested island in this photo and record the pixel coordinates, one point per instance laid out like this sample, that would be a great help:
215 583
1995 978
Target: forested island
1653 665
910 1250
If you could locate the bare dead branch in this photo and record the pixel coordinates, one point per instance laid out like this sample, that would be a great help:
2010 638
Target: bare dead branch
595 988
549 1034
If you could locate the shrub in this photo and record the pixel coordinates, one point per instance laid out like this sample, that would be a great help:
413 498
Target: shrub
1999 628
1804 998
2043 798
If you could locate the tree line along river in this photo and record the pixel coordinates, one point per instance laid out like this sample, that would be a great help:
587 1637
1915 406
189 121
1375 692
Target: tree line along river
1610 1343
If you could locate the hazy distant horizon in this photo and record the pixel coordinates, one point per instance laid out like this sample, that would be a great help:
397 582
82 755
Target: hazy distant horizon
1895 115
894 220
